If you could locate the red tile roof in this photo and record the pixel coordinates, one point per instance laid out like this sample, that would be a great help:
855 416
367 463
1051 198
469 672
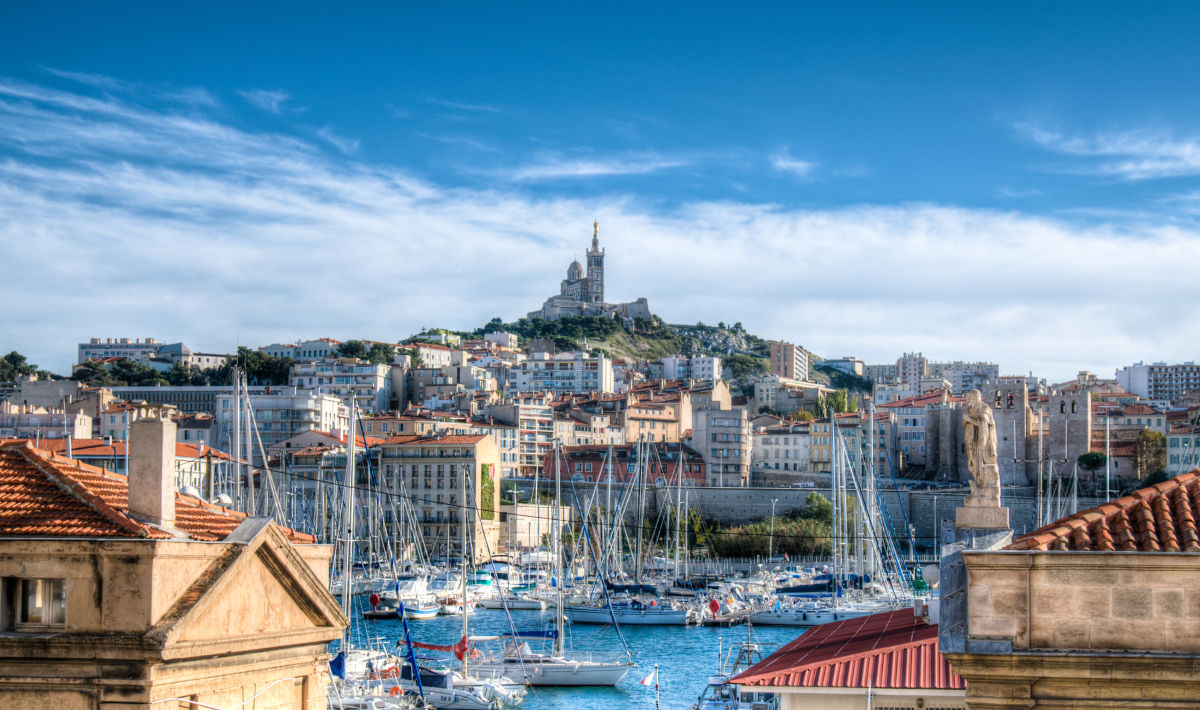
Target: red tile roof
417 439
1161 518
45 495
100 448
894 649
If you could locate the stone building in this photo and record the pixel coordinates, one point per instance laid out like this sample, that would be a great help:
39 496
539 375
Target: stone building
119 592
1097 610
582 293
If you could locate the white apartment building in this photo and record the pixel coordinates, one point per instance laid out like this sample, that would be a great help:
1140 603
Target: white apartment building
367 385
782 448
849 365
534 420
134 349
564 373
677 367
504 340
318 349
281 414
1160 381
965 376
911 367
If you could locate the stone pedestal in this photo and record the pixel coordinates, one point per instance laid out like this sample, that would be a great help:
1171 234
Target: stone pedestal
981 517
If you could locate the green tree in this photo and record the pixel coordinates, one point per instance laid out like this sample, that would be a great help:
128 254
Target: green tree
179 375
801 415
817 507
1092 461
13 365
1149 453
353 348
380 354
92 373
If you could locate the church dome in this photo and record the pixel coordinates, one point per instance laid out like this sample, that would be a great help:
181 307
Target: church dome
575 270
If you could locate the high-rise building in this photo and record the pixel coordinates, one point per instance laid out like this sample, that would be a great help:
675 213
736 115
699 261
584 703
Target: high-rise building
788 360
1160 381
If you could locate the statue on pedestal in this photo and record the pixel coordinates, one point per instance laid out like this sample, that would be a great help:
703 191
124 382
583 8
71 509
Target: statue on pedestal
982 507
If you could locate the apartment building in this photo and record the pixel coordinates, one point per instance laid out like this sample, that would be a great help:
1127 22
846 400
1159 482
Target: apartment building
534 419
783 447
368 386
1160 381
280 414
447 477
725 441
28 422
133 348
563 373
789 360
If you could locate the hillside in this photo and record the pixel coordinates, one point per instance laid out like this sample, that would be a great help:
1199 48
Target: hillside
742 353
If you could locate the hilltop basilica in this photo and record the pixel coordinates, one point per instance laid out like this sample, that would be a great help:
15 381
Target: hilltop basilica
582 294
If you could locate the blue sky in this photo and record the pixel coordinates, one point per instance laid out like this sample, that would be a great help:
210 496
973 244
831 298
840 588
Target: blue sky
1008 182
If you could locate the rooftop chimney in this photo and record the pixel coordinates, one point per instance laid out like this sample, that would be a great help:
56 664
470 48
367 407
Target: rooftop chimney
152 471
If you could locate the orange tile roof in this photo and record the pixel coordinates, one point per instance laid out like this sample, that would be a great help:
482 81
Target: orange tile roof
895 649
45 495
1161 518
99 448
460 439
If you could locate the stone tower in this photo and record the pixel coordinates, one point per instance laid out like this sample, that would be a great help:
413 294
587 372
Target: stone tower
595 268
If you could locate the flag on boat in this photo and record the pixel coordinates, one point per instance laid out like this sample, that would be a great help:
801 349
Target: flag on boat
649 680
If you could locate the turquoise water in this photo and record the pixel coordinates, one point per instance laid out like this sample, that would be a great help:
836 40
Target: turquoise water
686 655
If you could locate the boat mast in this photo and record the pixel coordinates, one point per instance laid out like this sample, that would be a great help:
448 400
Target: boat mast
557 538
348 521
641 466
251 491
236 439
462 527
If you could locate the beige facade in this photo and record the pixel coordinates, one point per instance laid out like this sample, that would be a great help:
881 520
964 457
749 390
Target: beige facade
445 478
116 593
523 525
789 360
135 632
1081 630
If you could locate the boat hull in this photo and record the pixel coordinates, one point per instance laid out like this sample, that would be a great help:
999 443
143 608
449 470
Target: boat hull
649 616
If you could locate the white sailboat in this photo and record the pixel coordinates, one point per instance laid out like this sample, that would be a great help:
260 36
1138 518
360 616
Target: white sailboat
555 668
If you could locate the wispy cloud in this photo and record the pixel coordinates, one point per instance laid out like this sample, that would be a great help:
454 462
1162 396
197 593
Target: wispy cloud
98 81
783 162
271 100
249 222
346 145
1127 155
462 106
558 167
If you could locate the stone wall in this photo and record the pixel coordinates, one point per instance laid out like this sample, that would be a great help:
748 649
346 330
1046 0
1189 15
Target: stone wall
1080 630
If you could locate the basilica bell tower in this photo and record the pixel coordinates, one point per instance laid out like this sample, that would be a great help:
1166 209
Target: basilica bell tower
595 267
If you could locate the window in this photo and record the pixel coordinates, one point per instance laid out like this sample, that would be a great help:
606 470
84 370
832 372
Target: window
39 602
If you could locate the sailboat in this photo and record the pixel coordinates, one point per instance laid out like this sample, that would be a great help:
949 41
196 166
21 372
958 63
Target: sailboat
521 662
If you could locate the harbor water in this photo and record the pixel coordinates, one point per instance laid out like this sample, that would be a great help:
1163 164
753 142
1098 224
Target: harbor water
686 655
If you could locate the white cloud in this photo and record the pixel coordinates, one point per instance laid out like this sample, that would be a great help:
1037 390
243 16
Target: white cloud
558 167
120 220
346 145
784 162
270 100
1127 155
460 106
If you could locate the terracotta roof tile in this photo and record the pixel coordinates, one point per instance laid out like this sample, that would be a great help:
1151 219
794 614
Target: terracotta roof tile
42 494
1161 518
894 649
